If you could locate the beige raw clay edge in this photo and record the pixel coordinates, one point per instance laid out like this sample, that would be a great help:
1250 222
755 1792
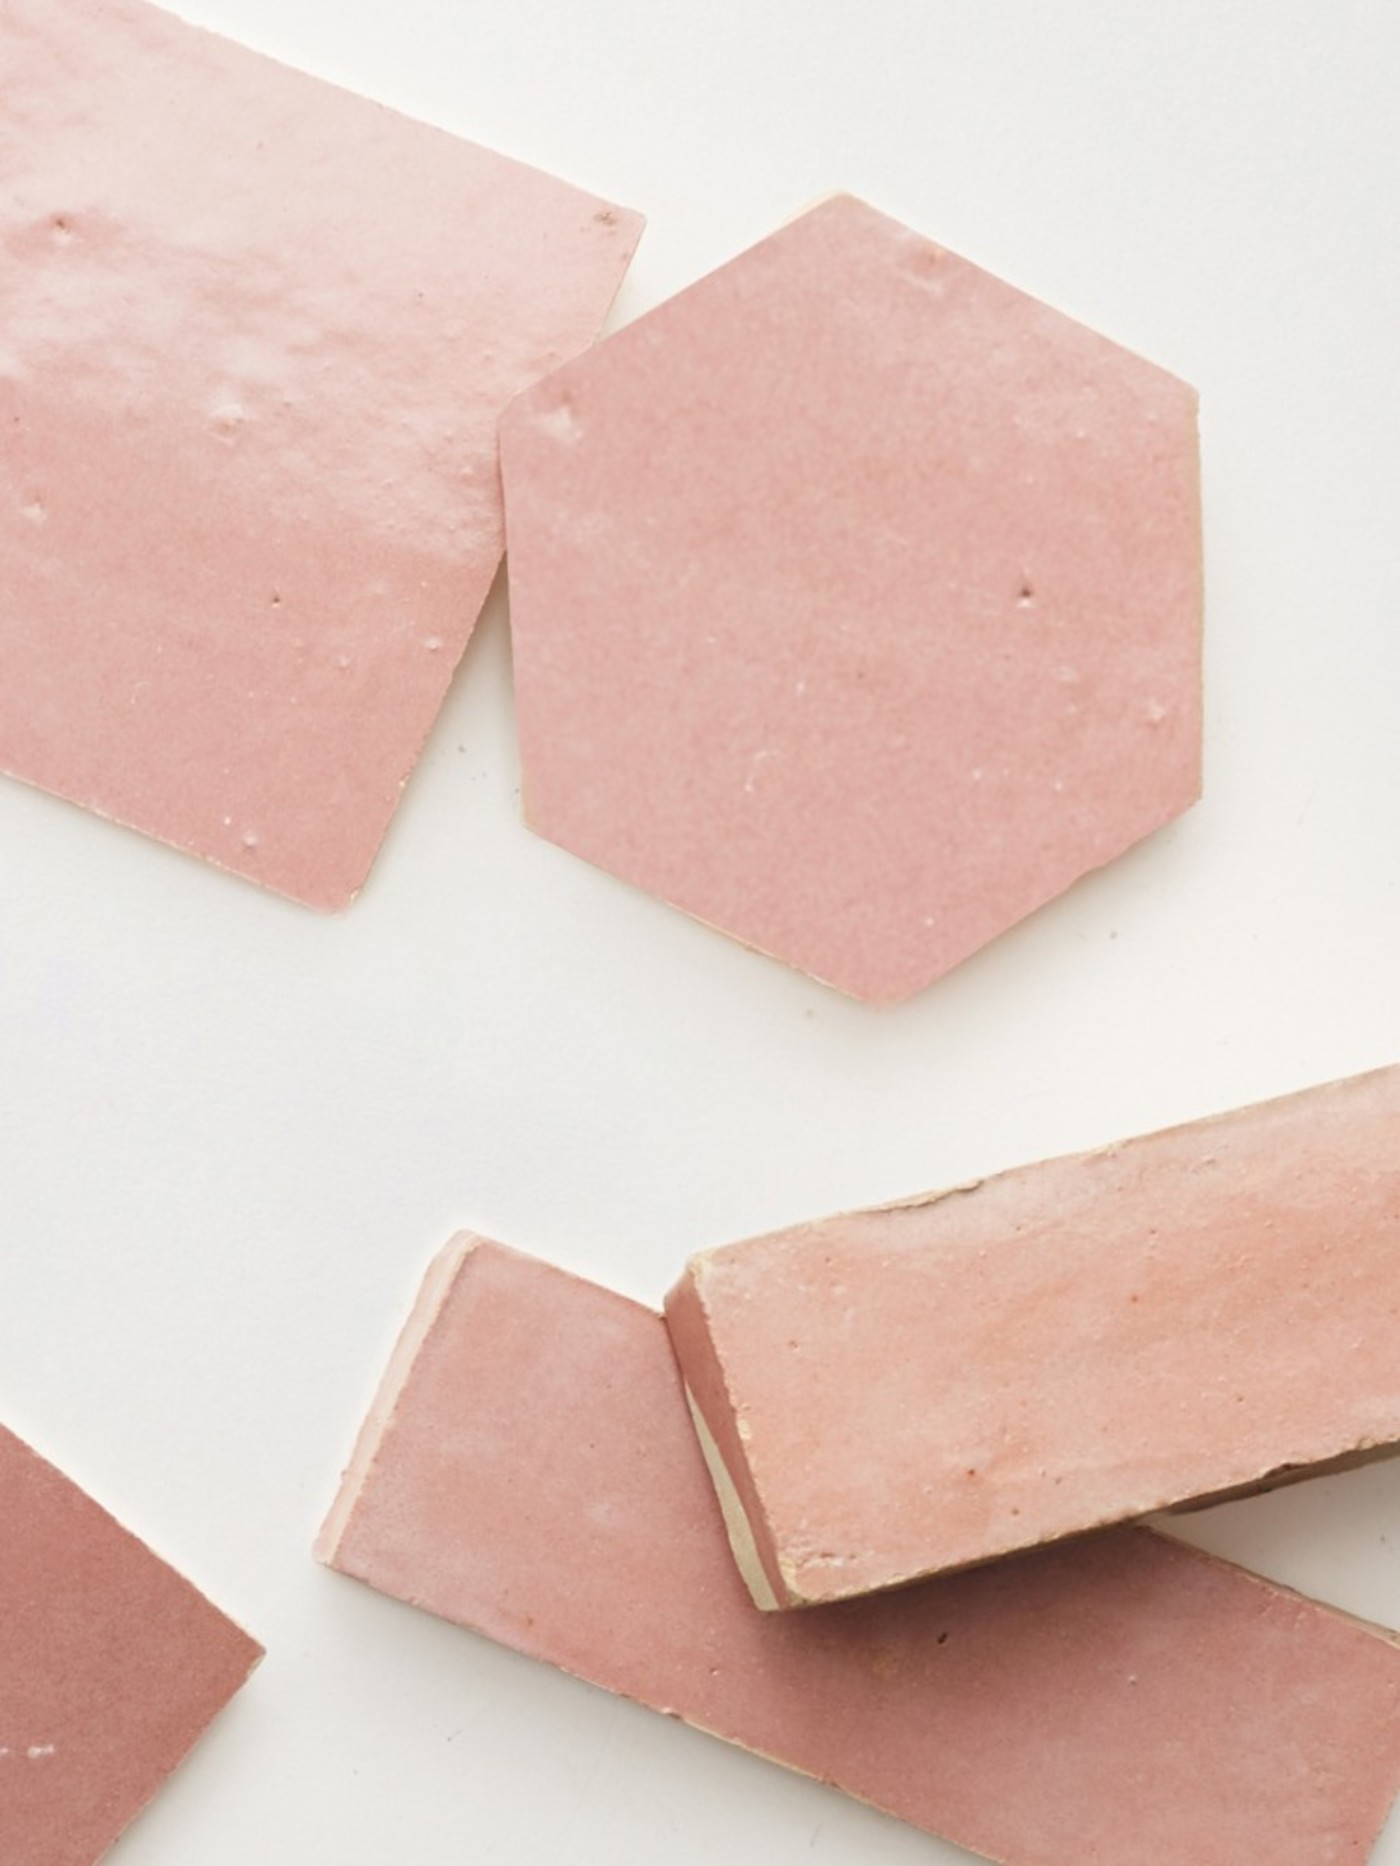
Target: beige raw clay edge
436 1286
736 1520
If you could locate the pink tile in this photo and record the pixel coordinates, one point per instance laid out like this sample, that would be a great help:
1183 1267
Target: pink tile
255 337
528 1470
856 601
905 1390
111 1666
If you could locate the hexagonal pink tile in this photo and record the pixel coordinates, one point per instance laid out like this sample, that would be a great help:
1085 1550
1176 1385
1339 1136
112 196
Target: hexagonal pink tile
856 601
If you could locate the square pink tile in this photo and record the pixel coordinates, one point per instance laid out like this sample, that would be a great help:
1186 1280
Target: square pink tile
111 1666
255 337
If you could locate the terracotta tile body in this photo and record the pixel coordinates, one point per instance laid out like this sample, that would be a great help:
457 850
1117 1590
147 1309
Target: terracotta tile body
856 601
911 1389
111 1666
255 337
529 1471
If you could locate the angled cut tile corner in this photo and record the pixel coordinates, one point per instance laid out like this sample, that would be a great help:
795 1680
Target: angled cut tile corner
856 601
255 338
111 1667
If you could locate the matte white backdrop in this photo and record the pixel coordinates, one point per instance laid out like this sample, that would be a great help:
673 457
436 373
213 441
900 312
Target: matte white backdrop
232 1132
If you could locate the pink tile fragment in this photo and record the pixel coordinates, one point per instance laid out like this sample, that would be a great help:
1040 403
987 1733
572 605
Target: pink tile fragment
255 337
1189 1314
528 1470
856 601
111 1666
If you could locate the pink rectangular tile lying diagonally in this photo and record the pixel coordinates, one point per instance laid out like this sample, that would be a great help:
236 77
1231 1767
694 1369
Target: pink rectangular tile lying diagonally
1194 1313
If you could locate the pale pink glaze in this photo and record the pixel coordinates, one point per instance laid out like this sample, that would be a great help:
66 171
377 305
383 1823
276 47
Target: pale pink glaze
111 1666
531 1473
910 1389
855 599
255 337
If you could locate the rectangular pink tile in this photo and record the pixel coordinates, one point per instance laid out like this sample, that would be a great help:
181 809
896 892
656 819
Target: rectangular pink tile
255 338
111 1666
528 1470
931 1384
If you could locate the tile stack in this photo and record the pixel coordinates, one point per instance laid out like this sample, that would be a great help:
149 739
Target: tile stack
916 1416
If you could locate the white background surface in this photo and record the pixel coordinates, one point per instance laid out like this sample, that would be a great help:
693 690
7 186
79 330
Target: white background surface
233 1132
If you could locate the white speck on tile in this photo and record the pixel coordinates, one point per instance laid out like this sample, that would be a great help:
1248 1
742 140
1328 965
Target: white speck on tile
756 763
